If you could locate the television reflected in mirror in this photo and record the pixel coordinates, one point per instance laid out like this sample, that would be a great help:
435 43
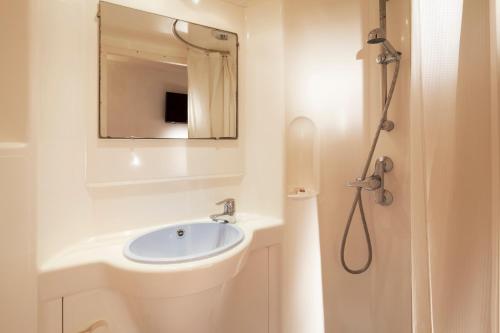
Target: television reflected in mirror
176 110
163 78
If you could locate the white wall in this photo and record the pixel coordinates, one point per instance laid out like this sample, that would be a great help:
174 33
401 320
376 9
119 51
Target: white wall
88 186
71 156
14 33
17 227
331 77
263 98
17 243
75 169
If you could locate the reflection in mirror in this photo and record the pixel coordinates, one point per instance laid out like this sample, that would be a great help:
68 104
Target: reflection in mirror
165 78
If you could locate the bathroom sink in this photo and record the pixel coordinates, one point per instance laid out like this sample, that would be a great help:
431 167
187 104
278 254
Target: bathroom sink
183 242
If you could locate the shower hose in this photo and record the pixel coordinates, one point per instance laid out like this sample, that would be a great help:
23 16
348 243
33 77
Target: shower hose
358 201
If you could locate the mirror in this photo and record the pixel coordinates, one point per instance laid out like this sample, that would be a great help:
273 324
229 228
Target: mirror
163 78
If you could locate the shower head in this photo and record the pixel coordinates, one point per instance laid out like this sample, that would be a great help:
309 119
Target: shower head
378 36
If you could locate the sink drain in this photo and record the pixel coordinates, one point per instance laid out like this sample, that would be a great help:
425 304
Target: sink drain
180 233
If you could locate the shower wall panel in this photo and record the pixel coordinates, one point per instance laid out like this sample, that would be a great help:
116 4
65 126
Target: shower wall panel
331 77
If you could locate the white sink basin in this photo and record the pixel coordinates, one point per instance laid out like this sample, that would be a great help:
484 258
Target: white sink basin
183 242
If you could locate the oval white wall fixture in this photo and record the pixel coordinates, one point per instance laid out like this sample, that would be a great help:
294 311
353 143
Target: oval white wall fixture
302 158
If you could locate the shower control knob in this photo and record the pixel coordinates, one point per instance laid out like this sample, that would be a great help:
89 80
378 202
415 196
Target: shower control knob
387 163
387 198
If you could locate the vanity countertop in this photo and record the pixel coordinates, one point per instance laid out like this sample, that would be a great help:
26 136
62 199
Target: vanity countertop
99 262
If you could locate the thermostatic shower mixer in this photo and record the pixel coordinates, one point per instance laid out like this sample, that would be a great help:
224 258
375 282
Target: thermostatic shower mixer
375 182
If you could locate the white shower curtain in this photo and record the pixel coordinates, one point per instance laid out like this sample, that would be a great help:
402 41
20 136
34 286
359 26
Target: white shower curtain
223 101
212 95
199 120
452 207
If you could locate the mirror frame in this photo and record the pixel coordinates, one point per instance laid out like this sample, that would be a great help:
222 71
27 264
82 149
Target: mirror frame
99 127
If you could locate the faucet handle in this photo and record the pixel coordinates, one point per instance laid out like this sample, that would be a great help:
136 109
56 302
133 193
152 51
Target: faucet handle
369 183
229 206
225 201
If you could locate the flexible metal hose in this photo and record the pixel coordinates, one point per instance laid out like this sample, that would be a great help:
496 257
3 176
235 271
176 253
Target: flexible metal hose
358 201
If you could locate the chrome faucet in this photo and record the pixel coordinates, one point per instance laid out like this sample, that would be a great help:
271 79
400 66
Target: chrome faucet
228 215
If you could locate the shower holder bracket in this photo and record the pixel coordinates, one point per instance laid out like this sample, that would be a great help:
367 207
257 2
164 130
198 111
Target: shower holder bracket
388 58
387 125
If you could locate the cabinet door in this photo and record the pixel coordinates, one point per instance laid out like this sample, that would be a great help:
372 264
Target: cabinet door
50 316
98 311
245 304
240 305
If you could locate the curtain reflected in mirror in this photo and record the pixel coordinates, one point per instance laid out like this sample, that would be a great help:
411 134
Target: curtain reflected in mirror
165 78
